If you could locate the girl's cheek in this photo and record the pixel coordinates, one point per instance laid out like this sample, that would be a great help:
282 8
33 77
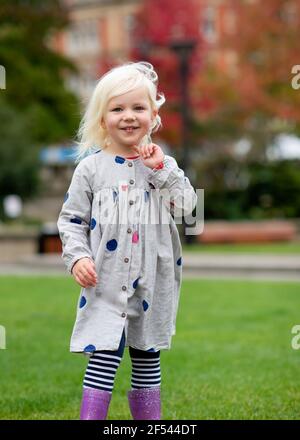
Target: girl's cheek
109 126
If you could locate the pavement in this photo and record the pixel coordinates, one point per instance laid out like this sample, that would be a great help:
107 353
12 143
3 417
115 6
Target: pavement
195 265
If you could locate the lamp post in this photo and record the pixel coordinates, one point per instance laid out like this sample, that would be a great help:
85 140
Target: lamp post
183 50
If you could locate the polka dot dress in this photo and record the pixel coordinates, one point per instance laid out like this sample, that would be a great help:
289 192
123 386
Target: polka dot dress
110 214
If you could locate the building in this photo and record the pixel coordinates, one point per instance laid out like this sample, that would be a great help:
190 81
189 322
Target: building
101 32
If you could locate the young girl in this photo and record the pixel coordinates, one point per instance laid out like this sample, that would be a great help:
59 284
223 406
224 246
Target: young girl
128 263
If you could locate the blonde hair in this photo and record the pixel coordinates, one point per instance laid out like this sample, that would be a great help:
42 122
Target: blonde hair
115 82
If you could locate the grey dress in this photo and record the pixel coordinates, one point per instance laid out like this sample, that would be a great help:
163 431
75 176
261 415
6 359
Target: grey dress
117 212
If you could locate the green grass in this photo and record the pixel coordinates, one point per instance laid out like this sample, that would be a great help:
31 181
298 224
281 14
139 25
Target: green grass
249 248
231 357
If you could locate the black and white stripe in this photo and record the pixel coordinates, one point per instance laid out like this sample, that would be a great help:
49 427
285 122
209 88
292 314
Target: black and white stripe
101 371
145 372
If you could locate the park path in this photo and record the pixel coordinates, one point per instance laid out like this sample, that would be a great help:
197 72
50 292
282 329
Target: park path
195 265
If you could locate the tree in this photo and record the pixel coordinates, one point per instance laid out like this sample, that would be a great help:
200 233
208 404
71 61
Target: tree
254 97
157 25
35 73
18 155
35 108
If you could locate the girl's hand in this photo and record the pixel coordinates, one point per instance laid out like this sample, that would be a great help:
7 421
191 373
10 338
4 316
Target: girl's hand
84 272
151 155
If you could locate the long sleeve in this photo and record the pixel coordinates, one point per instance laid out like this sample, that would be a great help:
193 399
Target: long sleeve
75 216
175 188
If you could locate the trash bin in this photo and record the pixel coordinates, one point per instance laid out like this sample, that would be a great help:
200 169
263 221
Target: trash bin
48 239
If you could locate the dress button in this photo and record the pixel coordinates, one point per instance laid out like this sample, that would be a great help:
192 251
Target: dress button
130 164
123 315
129 231
124 288
131 202
126 260
131 181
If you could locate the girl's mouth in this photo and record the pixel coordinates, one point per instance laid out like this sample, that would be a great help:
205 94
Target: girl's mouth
129 129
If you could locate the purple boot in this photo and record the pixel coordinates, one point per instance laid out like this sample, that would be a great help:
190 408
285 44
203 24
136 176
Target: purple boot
145 403
94 405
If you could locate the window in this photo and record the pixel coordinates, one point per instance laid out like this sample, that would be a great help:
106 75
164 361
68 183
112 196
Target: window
209 24
83 36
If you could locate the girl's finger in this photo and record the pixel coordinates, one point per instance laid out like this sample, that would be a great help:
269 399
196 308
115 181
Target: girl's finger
89 278
91 272
85 277
79 281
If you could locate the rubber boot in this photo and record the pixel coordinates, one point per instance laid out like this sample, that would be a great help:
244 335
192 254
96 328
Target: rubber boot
145 403
95 403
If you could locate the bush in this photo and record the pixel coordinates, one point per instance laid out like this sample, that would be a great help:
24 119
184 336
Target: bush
236 190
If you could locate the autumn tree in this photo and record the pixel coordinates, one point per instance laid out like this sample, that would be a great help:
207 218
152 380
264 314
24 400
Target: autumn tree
158 24
253 96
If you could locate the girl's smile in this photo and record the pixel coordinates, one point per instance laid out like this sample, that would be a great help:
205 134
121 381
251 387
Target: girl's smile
130 129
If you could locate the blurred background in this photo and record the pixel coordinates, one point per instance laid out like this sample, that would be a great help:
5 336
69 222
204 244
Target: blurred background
231 119
230 71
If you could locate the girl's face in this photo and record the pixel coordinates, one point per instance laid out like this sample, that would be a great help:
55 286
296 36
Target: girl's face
128 118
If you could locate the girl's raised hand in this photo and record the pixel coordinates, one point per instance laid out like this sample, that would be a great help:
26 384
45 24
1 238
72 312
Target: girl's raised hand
84 272
151 154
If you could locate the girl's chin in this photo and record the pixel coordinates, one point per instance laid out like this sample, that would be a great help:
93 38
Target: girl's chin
132 142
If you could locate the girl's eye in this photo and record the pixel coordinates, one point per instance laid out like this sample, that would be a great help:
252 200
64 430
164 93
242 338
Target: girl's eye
136 108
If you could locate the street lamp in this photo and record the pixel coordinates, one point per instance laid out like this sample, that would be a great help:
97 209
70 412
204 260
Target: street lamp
183 50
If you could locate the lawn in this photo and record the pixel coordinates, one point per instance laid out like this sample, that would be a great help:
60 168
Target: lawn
288 247
231 357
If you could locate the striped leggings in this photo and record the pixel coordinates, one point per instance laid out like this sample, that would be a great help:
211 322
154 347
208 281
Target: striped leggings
102 367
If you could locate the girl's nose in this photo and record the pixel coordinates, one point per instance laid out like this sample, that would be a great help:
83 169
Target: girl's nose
129 116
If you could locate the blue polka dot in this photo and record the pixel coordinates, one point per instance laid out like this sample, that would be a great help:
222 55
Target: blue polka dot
146 196
119 159
134 285
145 305
76 220
66 197
82 302
89 348
179 261
93 223
111 245
115 194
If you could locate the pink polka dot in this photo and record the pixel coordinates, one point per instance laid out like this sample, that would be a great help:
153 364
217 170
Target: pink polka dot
135 237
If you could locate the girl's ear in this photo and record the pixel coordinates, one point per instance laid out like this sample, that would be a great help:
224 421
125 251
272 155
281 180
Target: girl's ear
102 123
154 113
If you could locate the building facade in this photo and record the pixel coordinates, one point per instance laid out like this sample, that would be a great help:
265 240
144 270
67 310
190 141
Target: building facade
101 32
